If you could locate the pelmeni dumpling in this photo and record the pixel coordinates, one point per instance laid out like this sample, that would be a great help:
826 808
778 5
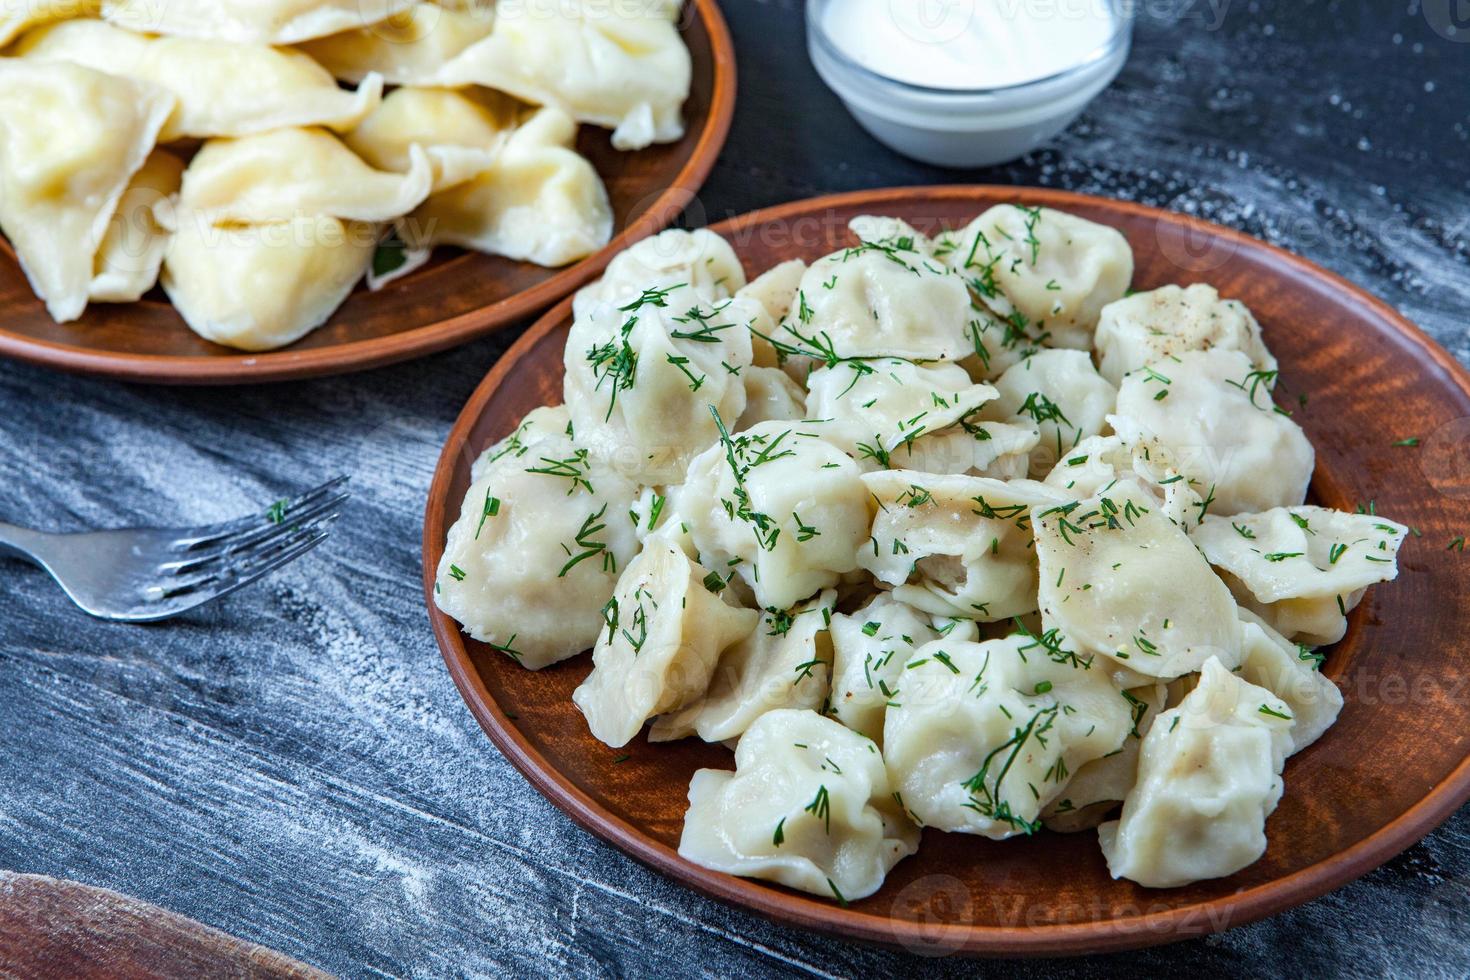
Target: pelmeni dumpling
284 88
1209 774
980 736
249 21
539 425
877 299
870 648
539 200
259 287
896 400
997 345
1212 412
1120 579
770 396
957 546
699 259
1289 671
1045 271
408 48
17 16
808 806
1061 393
1147 328
646 381
781 506
663 634
1302 569
620 66
785 662
1097 788
1100 461
71 139
286 173
536 552
128 261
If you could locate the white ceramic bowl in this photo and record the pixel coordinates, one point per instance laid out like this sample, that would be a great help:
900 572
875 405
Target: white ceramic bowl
964 128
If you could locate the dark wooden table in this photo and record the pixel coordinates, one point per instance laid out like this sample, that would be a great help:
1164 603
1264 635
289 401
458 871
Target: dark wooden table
295 768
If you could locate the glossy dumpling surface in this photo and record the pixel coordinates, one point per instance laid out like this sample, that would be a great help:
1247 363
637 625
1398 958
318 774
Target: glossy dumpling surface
700 260
808 806
128 262
16 17
71 139
1152 327
285 88
1209 774
1061 393
620 66
534 557
870 648
408 48
259 287
664 632
249 21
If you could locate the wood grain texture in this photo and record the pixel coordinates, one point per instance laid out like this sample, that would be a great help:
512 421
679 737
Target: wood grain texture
458 296
1385 775
53 928
295 766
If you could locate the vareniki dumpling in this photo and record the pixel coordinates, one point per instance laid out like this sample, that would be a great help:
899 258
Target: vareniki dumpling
534 557
285 88
71 139
1147 328
1209 774
132 251
808 806
20 15
621 66
249 21
664 631
408 48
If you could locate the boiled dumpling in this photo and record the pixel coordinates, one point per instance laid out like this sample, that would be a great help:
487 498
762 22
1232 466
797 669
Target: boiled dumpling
1046 272
287 173
1147 328
665 629
408 48
770 396
980 736
538 425
781 506
808 806
531 563
775 289
539 201
878 298
1062 394
699 259
651 382
786 662
621 66
208 78
1209 774
1120 579
462 134
997 345
249 21
896 400
127 263
1100 461
957 546
1289 671
1302 569
259 287
71 139
870 649
1212 412
1097 788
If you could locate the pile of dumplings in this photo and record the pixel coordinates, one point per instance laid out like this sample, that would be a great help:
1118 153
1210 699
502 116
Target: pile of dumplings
292 180
956 533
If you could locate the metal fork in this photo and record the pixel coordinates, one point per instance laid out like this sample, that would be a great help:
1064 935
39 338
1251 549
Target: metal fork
145 575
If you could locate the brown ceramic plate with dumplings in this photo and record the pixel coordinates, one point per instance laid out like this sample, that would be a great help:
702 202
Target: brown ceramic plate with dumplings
459 296
1355 374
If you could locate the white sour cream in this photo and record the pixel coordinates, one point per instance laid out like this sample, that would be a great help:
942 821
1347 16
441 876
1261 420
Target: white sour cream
965 45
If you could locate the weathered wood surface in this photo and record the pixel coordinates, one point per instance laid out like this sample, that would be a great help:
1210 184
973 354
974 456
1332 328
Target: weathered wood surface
294 766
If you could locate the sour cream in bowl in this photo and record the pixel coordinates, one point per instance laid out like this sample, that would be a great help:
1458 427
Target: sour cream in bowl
966 83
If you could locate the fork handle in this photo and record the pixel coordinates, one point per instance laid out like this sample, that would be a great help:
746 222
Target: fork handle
19 542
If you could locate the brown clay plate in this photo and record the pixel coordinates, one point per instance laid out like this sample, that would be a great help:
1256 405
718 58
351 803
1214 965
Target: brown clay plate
1393 768
459 296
